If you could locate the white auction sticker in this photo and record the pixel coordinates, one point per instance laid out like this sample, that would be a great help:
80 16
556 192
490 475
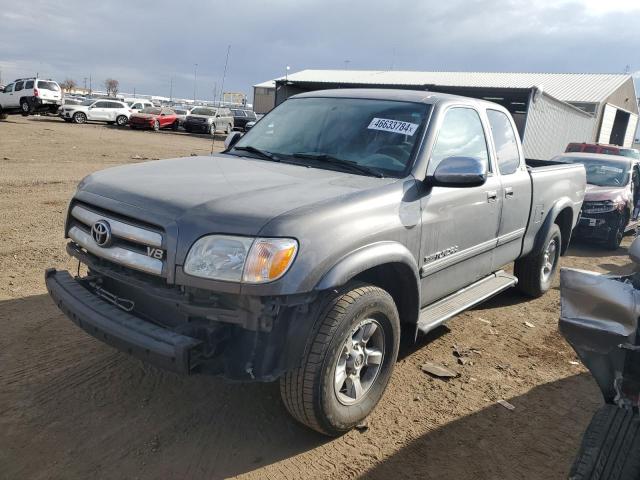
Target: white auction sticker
396 126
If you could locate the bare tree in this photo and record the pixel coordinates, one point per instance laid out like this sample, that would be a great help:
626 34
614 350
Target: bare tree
68 85
112 85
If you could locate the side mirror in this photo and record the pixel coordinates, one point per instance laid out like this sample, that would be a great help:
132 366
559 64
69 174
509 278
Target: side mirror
231 140
459 172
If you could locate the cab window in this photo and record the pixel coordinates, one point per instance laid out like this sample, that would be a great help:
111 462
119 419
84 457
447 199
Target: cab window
8 88
19 86
505 142
461 135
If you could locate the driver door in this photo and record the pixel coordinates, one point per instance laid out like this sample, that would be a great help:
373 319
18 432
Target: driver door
459 225
98 111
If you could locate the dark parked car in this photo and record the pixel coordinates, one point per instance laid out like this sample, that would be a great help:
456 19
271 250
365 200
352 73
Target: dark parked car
599 319
241 117
613 188
304 250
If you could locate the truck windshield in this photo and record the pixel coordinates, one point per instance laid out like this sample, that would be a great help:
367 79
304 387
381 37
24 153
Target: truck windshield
603 173
381 135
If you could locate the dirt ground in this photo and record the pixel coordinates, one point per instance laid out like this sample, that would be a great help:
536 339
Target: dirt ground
71 407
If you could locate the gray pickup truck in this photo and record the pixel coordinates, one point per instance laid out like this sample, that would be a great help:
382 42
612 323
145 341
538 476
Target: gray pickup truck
302 252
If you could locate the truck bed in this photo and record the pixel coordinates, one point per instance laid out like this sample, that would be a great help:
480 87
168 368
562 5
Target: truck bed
554 185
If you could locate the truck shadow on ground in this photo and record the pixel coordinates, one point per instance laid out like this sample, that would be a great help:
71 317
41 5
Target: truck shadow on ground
85 410
537 440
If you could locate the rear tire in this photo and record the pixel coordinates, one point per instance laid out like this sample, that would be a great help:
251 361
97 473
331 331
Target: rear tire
351 354
79 117
25 107
121 120
537 270
156 126
610 447
616 235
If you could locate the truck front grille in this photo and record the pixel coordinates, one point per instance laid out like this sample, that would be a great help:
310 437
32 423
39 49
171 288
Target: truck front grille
129 245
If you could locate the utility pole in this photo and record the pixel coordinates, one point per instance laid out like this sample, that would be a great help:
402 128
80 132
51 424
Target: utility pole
134 92
171 90
85 85
195 79
224 75
90 86
215 91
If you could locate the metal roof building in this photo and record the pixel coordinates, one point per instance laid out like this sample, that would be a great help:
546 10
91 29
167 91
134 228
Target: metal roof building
550 109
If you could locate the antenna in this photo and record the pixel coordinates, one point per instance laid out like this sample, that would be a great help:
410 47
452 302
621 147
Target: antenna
224 75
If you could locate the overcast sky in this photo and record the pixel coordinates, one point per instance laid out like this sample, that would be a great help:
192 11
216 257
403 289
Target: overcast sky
144 44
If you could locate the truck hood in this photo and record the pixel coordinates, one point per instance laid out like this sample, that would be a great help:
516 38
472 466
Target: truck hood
594 193
220 194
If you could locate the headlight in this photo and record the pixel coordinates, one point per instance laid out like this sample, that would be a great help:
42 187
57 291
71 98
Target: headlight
235 259
599 207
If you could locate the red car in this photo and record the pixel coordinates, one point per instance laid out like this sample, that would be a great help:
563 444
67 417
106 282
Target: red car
155 118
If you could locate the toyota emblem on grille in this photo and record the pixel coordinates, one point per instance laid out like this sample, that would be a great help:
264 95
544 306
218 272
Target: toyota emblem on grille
101 233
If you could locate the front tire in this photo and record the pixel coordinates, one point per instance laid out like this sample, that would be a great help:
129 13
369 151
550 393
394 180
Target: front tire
617 233
348 362
536 272
121 120
610 446
79 117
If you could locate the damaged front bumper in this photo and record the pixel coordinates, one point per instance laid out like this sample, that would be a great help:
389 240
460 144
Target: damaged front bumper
599 318
184 329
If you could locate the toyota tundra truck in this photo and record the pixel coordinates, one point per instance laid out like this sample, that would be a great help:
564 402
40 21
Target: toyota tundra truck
302 252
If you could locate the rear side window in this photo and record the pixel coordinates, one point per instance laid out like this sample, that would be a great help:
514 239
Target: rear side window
53 86
504 138
461 135
19 86
115 105
29 84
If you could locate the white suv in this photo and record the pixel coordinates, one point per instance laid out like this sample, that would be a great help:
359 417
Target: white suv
137 105
30 95
97 110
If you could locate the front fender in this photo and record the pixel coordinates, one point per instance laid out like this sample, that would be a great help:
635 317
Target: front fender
367 257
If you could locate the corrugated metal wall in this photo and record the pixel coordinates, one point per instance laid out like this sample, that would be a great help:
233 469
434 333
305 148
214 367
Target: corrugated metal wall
551 125
631 131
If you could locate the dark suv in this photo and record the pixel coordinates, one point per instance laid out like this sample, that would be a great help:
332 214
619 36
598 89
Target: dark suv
241 117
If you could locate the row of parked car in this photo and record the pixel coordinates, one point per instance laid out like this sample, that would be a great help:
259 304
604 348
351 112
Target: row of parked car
34 95
143 114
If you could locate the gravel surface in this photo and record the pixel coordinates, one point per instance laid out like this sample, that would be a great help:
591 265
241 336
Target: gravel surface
71 407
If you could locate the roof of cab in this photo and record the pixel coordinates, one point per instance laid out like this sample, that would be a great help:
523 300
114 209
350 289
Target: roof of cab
596 156
401 95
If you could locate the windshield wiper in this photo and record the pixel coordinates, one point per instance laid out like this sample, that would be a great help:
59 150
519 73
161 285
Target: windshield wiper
338 162
257 151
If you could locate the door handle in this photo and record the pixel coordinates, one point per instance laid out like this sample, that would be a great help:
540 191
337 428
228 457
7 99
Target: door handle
508 192
492 196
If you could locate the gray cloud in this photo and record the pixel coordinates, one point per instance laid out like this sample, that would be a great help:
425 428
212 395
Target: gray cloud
144 45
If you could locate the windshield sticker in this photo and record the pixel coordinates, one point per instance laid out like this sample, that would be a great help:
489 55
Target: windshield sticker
395 126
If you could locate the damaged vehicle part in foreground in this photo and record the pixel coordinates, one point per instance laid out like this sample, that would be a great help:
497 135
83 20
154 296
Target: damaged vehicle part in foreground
600 320
302 251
